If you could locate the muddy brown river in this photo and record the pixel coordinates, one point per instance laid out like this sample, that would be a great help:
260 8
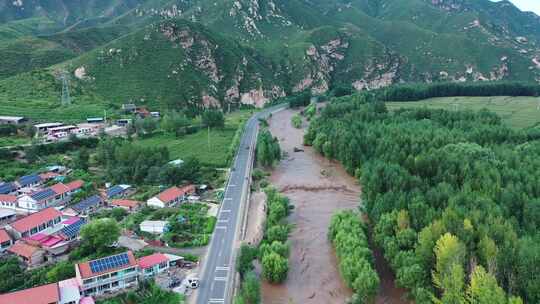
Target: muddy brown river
317 188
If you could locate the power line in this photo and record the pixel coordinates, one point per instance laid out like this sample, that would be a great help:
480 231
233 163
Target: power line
66 99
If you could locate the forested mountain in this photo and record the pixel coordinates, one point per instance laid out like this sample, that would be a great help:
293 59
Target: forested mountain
453 196
201 52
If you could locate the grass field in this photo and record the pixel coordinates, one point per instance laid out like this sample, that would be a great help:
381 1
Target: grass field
13 141
517 112
197 144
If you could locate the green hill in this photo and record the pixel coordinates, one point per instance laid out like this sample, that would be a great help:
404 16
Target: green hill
194 53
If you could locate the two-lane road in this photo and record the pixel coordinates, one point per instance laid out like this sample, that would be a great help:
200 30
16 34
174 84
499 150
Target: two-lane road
218 268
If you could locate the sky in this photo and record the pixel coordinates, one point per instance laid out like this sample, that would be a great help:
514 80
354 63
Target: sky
528 5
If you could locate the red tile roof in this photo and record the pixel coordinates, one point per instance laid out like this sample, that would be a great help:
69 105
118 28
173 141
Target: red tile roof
38 295
22 249
152 260
8 198
173 193
86 271
4 236
74 185
125 203
35 219
59 188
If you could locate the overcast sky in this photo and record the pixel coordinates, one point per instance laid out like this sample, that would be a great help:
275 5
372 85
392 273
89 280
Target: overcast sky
527 5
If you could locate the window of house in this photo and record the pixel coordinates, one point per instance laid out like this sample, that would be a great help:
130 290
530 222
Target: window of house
163 265
88 281
90 290
115 284
34 230
104 286
129 270
114 274
148 270
130 280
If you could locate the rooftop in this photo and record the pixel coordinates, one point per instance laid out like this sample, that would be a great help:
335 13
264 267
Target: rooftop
29 179
87 203
115 190
106 265
152 260
11 118
125 203
8 198
35 219
45 194
174 192
48 125
22 249
4 236
6 188
45 294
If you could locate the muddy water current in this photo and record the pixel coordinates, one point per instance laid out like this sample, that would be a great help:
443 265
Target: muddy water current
317 188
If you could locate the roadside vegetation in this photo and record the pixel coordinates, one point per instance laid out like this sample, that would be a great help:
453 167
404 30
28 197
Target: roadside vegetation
268 150
348 234
296 121
451 196
147 293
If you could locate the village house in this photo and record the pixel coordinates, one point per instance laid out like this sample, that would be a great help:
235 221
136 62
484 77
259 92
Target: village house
154 227
153 264
8 201
128 205
7 216
44 127
5 240
171 196
58 239
28 254
119 191
8 188
35 223
108 274
12 120
31 180
63 292
55 195
88 205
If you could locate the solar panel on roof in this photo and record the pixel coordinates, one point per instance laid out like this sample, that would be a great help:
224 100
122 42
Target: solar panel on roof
73 229
113 191
6 188
29 179
87 203
111 262
44 194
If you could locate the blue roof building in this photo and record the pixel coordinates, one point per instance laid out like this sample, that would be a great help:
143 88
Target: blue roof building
29 180
7 188
88 204
117 191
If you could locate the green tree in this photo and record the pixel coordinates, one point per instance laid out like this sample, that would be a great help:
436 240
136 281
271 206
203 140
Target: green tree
99 234
213 118
483 289
61 271
274 267
251 289
81 159
245 259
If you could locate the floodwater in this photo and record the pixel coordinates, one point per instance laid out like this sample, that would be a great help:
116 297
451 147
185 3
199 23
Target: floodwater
317 188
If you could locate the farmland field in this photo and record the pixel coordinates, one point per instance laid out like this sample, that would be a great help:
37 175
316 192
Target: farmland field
517 112
213 153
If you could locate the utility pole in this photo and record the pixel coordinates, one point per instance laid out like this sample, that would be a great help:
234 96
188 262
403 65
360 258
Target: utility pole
66 99
208 138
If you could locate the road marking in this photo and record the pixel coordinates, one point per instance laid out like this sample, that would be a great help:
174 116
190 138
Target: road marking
221 279
216 301
232 186
228 199
223 221
225 211
221 227
222 268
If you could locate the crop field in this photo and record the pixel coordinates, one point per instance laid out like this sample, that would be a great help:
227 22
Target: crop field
517 112
211 150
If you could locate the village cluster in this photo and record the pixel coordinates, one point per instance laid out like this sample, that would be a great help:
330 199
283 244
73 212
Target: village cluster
57 131
40 225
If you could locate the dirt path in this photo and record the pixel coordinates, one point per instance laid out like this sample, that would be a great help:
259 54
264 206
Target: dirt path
317 188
